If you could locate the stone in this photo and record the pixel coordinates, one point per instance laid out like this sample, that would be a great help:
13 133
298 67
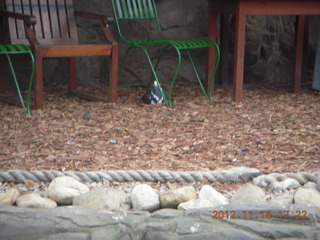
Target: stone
171 224
144 198
311 185
286 198
209 193
34 200
318 180
69 236
307 196
29 184
9 197
167 213
249 193
172 198
195 203
288 183
64 189
106 198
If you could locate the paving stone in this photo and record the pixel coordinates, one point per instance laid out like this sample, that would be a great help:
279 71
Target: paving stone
167 213
169 225
111 233
68 236
197 224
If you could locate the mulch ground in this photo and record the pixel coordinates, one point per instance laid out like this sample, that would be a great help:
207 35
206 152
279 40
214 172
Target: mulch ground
272 130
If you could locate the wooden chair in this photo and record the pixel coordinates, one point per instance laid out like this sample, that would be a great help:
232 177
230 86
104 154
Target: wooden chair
49 28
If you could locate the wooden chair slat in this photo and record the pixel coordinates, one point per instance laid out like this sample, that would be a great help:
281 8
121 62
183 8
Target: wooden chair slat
54 22
71 23
33 9
17 29
62 13
44 20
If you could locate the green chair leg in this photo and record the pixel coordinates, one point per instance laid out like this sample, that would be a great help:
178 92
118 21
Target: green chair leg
8 50
121 68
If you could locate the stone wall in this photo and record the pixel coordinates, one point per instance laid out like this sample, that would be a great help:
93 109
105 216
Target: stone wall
268 57
269 44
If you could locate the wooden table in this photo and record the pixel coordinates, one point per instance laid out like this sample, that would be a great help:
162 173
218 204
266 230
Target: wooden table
243 8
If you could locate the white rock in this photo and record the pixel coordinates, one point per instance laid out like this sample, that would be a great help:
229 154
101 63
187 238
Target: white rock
106 198
286 198
144 198
64 189
249 193
209 193
195 203
311 185
172 198
34 200
9 197
307 196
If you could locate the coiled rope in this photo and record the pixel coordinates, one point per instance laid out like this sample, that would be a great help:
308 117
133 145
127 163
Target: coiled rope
232 175
237 174
287 180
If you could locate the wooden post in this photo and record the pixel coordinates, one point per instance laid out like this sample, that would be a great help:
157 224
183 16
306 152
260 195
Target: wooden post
212 33
299 35
239 53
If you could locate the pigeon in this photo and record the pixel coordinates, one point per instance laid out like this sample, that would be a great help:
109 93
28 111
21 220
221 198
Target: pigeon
153 95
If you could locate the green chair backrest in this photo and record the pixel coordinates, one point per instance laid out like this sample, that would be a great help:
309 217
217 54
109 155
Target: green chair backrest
134 9
131 10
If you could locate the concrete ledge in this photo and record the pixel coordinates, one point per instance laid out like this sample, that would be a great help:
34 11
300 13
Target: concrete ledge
241 221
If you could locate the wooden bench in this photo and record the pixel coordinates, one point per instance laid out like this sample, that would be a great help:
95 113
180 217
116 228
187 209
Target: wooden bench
49 28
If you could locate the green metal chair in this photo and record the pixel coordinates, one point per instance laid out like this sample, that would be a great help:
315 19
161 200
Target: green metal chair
8 50
142 10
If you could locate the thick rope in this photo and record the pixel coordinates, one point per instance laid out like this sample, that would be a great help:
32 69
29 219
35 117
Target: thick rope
287 180
237 174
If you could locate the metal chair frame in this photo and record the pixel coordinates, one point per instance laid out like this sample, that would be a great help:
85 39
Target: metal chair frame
14 49
127 10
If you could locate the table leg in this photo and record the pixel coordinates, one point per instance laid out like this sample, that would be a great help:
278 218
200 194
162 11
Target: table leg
299 35
38 80
224 43
212 33
240 30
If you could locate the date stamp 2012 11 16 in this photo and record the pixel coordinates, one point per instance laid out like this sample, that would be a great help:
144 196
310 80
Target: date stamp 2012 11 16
299 215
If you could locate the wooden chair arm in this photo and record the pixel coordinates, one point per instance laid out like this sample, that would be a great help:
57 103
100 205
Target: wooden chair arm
28 19
104 20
